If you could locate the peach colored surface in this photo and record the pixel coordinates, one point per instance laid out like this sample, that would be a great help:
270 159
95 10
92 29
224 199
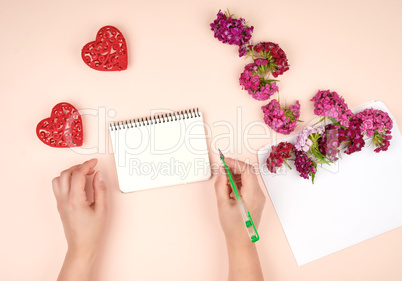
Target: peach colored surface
353 47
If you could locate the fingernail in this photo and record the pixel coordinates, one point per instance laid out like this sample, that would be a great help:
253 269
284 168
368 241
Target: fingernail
90 160
100 177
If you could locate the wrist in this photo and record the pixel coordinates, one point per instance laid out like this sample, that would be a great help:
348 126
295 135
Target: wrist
239 244
244 263
77 266
81 255
238 238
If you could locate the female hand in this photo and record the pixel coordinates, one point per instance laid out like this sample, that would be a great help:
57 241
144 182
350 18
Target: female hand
83 221
244 263
253 198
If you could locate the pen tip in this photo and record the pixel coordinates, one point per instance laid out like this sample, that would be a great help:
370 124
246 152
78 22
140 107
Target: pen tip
220 154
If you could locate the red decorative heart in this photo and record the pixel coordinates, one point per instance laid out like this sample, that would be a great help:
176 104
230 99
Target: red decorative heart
108 52
63 128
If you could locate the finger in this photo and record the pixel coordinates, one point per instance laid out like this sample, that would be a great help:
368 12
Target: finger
77 190
55 186
100 193
65 180
232 195
240 167
249 182
221 187
236 166
237 180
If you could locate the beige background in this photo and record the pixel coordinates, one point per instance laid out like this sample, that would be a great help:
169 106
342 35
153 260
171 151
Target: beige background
353 47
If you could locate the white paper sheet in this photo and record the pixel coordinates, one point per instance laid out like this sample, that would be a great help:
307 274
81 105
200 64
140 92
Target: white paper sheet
357 199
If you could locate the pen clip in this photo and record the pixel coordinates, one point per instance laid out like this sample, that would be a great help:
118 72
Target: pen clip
255 237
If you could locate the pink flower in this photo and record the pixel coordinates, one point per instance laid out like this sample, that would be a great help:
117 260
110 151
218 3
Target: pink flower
279 154
230 30
329 142
281 120
258 48
374 119
257 87
303 143
248 79
352 137
376 124
330 104
264 92
305 165
276 58
268 58
261 62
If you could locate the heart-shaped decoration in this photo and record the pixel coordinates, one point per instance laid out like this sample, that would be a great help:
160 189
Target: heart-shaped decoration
108 52
63 128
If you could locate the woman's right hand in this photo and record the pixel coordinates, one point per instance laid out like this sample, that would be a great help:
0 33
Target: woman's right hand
253 198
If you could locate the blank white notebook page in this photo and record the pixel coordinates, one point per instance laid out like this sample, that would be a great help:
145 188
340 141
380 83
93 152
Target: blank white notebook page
358 198
160 151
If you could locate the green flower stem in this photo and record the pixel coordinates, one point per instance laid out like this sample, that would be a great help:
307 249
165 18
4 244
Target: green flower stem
315 150
378 138
336 123
322 119
228 14
287 164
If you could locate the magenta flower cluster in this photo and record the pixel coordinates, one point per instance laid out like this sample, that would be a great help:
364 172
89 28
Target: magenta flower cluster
376 124
383 142
232 31
305 165
353 140
279 155
322 145
352 137
268 58
374 120
330 141
303 142
251 81
265 92
314 145
269 53
330 104
281 120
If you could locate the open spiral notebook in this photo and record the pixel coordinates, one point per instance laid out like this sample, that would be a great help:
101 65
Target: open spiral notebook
160 150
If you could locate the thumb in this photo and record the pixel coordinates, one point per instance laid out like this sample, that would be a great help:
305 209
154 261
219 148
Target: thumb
221 185
99 191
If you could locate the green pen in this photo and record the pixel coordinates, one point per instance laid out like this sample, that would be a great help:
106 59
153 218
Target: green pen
248 221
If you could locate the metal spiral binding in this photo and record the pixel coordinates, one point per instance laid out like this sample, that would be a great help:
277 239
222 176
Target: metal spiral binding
155 119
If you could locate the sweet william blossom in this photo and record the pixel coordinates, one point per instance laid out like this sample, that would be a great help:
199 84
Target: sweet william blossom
256 86
377 125
232 31
281 119
330 104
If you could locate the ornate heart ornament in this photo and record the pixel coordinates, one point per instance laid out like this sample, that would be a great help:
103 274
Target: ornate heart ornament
63 128
108 52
